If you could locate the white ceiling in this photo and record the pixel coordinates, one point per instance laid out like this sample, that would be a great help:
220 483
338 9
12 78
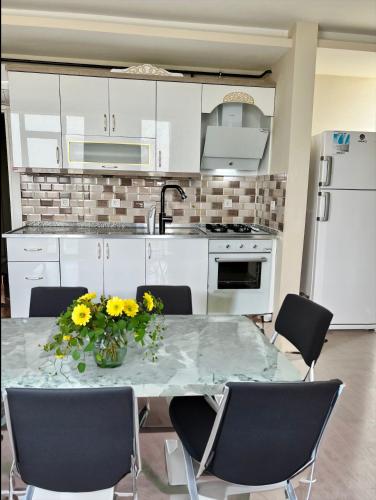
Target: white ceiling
226 35
352 16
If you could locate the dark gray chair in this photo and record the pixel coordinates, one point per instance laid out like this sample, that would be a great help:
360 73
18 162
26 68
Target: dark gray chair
72 440
262 436
305 324
51 301
176 299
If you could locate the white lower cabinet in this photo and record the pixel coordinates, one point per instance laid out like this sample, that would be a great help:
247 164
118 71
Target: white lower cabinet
179 262
124 266
81 263
23 276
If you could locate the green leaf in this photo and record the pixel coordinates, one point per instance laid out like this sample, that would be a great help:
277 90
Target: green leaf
76 355
81 367
89 347
98 357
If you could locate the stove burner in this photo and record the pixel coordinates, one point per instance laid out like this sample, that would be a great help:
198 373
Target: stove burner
216 228
240 228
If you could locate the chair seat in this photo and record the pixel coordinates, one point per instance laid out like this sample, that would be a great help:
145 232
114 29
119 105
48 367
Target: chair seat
193 420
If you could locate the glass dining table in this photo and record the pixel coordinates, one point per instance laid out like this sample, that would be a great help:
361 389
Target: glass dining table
198 355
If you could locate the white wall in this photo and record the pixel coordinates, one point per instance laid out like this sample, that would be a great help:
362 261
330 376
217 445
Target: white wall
344 103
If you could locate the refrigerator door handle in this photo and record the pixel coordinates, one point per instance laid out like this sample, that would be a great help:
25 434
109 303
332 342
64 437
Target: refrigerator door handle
325 216
327 161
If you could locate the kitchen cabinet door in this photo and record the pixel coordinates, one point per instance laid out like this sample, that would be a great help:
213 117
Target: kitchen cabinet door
178 127
35 120
132 108
23 276
81 263
124 266
179 262
84 105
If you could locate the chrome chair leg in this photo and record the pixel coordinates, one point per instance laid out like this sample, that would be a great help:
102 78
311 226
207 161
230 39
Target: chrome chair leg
191 479
290 492
29 493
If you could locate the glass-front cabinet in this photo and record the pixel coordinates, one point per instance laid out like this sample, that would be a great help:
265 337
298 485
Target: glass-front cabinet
112 153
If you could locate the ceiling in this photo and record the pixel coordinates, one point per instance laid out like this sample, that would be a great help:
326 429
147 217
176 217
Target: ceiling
223 35
351 16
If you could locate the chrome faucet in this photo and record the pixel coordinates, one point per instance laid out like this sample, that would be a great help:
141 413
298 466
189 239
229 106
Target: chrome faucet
163 218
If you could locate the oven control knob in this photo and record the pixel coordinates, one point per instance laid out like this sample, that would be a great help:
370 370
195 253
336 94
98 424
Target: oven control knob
241 246
254 246
227 246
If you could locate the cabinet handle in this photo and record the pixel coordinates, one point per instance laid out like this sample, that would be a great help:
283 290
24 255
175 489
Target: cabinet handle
105 122
57 155
33 249
107 251
99 251
109 166
159 158
30 278
113 123
149 251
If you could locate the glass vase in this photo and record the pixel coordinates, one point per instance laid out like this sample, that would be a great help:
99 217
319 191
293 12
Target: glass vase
109 356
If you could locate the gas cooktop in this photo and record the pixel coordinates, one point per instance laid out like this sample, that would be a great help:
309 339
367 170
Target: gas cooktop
231 230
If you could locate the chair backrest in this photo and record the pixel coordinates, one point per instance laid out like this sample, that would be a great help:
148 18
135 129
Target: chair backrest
269 431
51 301
176 299
72 440
305 324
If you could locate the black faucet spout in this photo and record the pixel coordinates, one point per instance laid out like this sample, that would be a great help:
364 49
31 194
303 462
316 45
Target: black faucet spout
163 218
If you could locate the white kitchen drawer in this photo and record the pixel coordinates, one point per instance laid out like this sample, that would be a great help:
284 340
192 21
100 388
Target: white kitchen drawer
23 276
33 249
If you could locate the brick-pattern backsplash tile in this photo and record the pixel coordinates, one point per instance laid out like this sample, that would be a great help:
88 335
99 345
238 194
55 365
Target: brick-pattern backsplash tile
90 199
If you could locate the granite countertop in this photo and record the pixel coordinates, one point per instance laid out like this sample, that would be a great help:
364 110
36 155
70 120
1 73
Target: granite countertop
87 230
190 361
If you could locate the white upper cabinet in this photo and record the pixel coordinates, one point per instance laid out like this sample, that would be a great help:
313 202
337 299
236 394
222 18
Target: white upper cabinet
84 105
262 97
132 108
35 120
178 127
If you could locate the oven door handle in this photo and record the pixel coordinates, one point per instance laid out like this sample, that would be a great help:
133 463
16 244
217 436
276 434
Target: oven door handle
258 259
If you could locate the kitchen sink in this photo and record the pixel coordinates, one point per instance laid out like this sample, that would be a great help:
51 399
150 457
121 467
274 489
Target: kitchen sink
184 231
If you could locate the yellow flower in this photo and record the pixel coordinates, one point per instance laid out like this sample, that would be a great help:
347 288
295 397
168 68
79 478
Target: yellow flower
81 315
130 307
59 356
67 337
148 301
114 306
87 296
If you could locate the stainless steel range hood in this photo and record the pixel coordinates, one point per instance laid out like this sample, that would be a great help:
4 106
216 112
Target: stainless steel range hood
230 145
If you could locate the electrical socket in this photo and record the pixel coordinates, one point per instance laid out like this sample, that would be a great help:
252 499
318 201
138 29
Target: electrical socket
227 203
115 203
273 205
64 203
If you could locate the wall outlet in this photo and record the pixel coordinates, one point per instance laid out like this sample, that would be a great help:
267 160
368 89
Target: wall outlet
273 205
64 203
227 203
115 203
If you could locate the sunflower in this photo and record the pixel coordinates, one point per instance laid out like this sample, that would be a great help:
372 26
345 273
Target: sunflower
130 307
87 296
148 301
114 306
81 315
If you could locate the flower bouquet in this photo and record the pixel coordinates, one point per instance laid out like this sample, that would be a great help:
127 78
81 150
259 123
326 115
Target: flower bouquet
104 328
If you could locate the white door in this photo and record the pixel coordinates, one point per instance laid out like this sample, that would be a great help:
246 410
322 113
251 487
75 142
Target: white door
132 108
81 263
124 266
84 105
345 263
179 262
353 160
23 276
35 120
178 127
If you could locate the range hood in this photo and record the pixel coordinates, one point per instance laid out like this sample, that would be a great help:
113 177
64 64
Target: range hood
230 145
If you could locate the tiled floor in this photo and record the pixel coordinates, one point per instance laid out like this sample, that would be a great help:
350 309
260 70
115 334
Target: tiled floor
346 468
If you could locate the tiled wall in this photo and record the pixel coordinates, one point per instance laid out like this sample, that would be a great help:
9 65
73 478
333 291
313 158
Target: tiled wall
90 199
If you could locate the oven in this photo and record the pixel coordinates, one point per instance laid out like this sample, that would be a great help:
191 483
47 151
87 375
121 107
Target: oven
240 276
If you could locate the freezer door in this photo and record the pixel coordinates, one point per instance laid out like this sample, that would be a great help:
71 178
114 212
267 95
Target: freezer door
348 160
344 278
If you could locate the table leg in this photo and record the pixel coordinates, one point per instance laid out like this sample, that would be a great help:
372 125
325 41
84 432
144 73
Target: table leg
175 463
